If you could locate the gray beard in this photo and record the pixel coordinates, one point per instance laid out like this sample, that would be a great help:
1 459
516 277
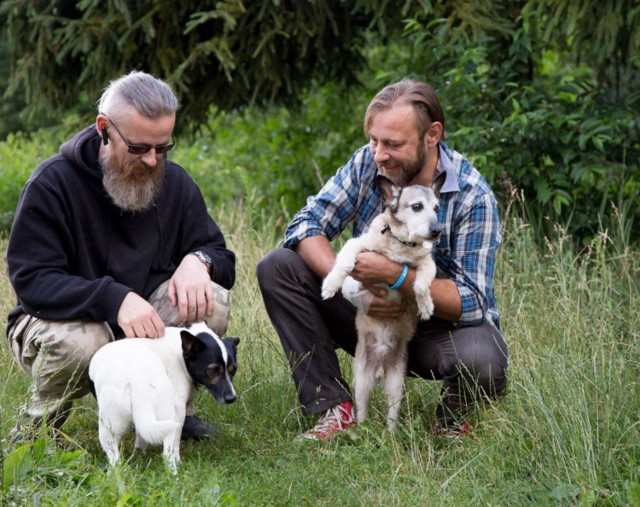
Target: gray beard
127 193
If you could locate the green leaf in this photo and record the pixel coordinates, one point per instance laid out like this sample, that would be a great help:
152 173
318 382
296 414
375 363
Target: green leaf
70 456
17 465
597 142
582 140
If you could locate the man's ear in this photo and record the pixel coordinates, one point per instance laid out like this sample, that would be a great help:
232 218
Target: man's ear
434 134
101 125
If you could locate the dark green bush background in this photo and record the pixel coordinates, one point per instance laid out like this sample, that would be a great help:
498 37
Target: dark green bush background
543 97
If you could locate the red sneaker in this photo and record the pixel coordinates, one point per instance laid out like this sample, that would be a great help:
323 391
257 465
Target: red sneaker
336 419
455 432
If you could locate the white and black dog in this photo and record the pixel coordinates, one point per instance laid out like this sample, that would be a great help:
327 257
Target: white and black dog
404 232
148 382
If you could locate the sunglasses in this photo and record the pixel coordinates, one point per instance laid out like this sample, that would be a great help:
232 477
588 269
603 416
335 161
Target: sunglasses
141 149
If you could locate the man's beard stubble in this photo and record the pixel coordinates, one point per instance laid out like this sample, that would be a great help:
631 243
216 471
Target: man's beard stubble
126 191
411 170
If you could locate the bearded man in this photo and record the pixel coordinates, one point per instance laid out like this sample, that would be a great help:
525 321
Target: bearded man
461 345
110 240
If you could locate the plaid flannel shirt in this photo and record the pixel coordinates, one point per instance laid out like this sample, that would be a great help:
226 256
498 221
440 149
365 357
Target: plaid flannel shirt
468 214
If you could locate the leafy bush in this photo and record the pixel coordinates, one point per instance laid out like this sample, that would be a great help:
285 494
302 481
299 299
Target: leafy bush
573 155
280 155
530 119
19 156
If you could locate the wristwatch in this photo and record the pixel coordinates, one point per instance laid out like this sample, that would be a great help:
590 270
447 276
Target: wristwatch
204 258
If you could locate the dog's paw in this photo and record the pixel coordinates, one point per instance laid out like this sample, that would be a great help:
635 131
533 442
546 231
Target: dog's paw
331 285
328 293
425 307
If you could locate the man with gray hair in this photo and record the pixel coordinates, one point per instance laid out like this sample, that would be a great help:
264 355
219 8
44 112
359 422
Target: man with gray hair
111 239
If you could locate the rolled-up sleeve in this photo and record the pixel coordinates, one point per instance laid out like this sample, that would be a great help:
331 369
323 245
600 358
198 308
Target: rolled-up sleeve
348 193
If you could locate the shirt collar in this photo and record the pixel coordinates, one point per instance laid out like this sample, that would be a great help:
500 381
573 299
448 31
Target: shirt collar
445 164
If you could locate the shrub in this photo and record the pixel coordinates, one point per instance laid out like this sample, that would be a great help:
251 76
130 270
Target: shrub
19 156
279 154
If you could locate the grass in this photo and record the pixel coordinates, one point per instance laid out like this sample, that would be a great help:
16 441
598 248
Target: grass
567 433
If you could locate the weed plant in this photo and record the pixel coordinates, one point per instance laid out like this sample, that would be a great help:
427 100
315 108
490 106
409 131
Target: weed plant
566 433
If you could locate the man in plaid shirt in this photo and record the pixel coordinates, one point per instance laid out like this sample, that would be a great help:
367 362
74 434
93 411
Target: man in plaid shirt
461 344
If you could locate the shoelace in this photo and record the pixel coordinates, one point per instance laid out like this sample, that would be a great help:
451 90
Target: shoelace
333 421
333 418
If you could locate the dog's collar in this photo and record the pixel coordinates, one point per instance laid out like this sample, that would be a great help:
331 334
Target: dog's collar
411 244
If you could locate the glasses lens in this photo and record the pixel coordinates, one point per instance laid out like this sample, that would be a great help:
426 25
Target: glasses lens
164 148
139 149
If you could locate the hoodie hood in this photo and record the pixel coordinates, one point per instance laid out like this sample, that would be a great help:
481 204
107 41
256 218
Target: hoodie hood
82 150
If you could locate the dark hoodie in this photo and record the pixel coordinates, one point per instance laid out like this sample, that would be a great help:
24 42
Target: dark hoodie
73 254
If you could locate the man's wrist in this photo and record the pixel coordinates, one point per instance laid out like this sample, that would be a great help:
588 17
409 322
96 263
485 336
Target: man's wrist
400 280
204 258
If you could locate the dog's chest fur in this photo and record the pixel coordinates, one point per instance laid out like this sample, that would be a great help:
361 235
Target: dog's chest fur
382 337
376 240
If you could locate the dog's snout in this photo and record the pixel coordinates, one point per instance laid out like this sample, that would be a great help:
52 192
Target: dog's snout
435 231
230 398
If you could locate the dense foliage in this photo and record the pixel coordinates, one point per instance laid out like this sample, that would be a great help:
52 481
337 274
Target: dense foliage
230 53
542 96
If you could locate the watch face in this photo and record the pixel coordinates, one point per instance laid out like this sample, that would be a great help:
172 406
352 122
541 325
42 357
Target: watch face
204 258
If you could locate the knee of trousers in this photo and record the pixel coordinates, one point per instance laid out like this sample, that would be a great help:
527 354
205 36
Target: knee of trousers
79 349
74 346
274 268
64 353
482 368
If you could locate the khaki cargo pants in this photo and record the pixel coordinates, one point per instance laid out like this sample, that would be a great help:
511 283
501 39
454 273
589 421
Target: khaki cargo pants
56 354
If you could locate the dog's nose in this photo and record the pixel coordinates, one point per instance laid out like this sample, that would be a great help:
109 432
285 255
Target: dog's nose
435 231
229 398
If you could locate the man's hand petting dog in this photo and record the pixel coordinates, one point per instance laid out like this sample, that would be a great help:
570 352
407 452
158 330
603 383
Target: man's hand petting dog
138 319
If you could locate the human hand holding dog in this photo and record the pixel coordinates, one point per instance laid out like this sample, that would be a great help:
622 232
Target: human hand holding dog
190 290
373 269
381 308
138 319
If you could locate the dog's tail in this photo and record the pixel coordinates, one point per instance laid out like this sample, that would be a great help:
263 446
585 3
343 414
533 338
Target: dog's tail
153 423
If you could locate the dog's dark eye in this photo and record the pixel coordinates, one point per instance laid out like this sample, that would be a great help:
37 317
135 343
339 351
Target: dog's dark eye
232 370
417 207
436 208
214 371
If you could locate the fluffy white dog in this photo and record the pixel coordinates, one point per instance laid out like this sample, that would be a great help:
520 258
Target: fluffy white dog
404 232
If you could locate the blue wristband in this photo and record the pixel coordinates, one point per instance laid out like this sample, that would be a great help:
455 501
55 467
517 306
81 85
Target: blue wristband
400 280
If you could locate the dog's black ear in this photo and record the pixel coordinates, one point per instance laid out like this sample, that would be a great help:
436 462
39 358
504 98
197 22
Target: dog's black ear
436 186
234 341
190 344
389 190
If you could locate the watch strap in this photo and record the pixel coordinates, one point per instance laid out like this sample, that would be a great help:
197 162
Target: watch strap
204 258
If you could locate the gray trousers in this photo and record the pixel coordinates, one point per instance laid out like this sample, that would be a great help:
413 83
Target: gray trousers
471 362
56 354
